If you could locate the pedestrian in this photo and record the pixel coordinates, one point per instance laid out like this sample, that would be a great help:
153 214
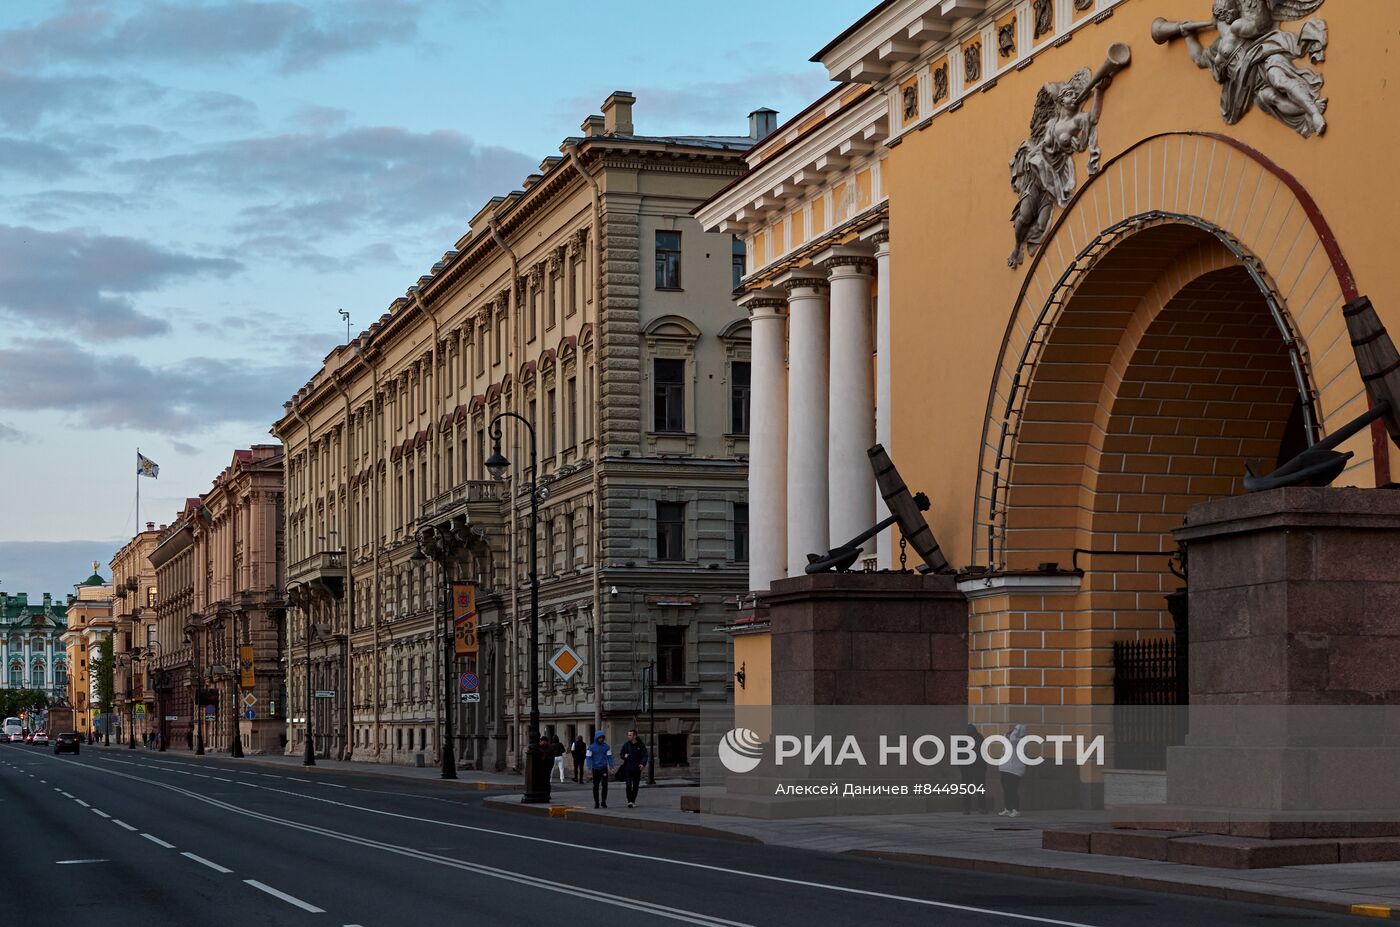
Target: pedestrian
1011 772
600 762
974 776
634 760
580 752
557 751
189 738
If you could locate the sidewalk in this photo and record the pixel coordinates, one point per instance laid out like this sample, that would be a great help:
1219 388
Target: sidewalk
990 843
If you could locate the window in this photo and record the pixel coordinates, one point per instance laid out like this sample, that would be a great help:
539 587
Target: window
36 676
568 540
481 343
481 453
668 394
670 655
671 750
534 309
150 635
551 423
738 262
499 329
150 596
670 531
571 413
668 260
741 531
16 676
60 676
739 374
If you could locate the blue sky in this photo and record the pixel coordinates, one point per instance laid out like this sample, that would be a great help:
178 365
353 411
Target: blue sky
191 189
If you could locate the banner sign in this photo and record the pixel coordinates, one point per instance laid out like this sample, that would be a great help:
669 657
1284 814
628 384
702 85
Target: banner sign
464 618
245 667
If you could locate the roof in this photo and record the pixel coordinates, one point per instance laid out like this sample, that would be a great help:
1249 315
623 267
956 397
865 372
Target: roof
93 580
850 30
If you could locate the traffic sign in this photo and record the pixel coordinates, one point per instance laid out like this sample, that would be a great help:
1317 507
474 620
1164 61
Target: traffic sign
250 714
249 700
470 682
210 711
325 693
566 662
471 698
172 717
140 711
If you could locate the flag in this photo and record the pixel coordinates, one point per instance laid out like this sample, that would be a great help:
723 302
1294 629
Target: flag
145 466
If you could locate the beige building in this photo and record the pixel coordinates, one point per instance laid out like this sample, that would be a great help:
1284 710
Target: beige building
134 630
590 303
220 567
89 617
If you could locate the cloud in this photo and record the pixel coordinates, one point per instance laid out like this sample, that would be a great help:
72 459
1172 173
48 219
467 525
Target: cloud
83 283
187 449
35 159
7 433
50 206
109 390
292 35
318 183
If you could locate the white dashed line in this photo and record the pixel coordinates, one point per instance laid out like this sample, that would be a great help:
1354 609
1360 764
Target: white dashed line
204 862
333 785
222 779
121 823
83 803
284 896
64 794
295 779
76 862
100 812
158 842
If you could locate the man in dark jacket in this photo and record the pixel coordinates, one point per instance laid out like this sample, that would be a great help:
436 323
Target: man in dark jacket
579 750
634 760
600 763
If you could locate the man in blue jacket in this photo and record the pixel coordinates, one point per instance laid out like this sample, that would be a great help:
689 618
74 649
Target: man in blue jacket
600 760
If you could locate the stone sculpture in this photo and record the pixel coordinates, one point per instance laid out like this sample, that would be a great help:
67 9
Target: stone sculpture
1042 170
1255 61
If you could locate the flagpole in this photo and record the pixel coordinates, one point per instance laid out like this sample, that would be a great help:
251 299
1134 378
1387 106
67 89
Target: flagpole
138 491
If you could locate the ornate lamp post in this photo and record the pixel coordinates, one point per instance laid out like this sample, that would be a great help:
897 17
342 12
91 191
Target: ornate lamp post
536 770
143 655
196 710
449 757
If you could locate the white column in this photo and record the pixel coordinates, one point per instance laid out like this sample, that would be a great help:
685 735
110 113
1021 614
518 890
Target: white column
884 541
807 528
768 422
852 426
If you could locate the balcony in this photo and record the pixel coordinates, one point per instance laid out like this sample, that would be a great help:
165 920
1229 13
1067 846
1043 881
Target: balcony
326 568
481 499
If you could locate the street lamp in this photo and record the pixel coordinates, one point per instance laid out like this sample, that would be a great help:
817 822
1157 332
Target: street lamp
536 772
144 654
235 743
449 756
308 757
197 708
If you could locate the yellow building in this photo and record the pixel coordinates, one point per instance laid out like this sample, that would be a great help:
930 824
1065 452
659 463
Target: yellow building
89 617
1188 217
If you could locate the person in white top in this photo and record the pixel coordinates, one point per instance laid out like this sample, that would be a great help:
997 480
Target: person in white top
1011 772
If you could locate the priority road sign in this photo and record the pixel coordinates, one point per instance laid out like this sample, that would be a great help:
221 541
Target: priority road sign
565 662
249 700
470 682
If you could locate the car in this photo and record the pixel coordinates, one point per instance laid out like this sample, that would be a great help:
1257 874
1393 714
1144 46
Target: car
67 742
40 739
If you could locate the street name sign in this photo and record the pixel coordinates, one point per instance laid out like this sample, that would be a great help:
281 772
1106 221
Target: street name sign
325 693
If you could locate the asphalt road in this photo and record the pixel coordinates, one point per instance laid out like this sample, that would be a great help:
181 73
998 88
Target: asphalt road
117 838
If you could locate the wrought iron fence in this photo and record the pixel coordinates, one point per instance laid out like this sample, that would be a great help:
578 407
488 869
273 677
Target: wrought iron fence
1149 699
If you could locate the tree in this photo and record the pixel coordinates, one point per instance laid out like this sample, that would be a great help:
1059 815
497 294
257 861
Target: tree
102 667
14 701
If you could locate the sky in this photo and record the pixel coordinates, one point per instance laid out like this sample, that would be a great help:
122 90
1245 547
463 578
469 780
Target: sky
190 191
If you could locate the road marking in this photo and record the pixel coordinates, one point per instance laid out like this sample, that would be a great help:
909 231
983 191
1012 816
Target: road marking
692 917
158 841
284 896
333 785
222 779
77 862
83 803
204 862
64 794
99 811
121 823
295 779
201 775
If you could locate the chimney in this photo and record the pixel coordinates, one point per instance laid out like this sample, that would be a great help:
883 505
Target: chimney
592 126
762 122
48 599
617 113
150 526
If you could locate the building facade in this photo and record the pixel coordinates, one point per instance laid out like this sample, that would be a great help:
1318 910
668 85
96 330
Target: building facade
88 619
31 646
590 304
221 615
135 596
1184 229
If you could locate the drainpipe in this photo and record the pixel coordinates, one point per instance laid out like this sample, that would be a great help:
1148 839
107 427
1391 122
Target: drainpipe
512 312
348 744
595 529
376 422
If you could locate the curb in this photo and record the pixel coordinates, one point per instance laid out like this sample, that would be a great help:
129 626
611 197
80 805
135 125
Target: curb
1112 880
1117 880
589 816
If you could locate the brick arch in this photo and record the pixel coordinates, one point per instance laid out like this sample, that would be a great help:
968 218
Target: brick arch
1184 189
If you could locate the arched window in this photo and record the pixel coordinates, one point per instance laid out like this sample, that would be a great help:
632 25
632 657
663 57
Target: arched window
16 675
36 675
60 675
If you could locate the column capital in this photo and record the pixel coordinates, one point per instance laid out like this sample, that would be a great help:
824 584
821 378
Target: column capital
849 265
803 278
771 298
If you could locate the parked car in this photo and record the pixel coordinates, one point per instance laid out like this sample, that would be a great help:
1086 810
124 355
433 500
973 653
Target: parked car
67 742
41 739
